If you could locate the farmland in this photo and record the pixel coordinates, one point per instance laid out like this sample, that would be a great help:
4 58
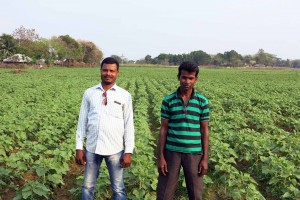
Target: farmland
254 132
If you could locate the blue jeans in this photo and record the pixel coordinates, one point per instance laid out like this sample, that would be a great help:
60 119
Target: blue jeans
91 173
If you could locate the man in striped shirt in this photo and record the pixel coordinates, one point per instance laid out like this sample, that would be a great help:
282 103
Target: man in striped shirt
183 139
106 123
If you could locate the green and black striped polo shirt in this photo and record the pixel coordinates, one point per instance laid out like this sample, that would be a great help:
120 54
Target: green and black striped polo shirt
184 121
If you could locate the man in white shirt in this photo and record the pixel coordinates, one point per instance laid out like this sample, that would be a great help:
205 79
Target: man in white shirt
106 122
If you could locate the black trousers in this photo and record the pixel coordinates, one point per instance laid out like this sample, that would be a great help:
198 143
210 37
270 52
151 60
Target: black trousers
166 186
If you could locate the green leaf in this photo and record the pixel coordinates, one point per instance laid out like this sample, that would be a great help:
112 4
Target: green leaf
286 195
41 191
55 178
26 194
274 180
21 165
2 152
41 171
154 184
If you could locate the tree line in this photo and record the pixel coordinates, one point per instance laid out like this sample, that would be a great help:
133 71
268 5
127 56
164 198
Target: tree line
65 50
61 50
226 59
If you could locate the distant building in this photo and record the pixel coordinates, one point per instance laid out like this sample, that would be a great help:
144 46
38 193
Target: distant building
18 58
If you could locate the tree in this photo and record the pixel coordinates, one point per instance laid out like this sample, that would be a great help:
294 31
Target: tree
264 58
200 57
162 59
249 60
148 59
296 63
67 48
218 60
7 46
283 63
175 59
35 49
233 59
59 47
90 52
22 35
118 58
73 51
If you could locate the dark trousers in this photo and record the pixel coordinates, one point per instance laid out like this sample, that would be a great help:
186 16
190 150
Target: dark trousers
166 186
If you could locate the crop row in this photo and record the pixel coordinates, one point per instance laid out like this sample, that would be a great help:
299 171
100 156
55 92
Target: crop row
254 132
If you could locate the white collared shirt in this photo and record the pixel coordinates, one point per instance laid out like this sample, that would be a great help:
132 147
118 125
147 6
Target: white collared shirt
108 129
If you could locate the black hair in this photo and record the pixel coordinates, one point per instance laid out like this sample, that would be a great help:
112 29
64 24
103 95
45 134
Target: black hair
110 60
188 66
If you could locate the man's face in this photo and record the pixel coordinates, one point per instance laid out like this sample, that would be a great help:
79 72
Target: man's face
109 73
187 80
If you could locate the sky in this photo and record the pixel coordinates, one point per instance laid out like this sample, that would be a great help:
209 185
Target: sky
136 28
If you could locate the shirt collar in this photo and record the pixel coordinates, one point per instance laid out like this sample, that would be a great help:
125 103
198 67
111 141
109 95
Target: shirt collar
113 88
178 93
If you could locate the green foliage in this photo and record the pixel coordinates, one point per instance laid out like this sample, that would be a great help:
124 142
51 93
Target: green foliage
148 59
33 190
233 59
254 131
70 52
296 63
72 49
218 59
200 57
7 46
35 49
264 58
5 176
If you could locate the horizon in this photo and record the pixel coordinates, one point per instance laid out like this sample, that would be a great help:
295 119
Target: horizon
136 29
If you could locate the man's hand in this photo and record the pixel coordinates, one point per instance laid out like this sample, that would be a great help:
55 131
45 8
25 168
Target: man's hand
162 166
203 167
125 160
80 157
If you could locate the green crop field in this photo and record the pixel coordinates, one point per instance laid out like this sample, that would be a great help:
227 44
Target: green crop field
254 132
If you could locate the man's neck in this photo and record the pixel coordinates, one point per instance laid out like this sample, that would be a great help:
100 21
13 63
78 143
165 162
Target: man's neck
185 93
107 86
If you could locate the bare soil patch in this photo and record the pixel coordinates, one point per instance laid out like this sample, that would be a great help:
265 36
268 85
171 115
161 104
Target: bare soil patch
63 193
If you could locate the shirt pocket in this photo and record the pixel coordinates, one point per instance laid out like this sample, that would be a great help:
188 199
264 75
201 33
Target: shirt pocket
116 109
